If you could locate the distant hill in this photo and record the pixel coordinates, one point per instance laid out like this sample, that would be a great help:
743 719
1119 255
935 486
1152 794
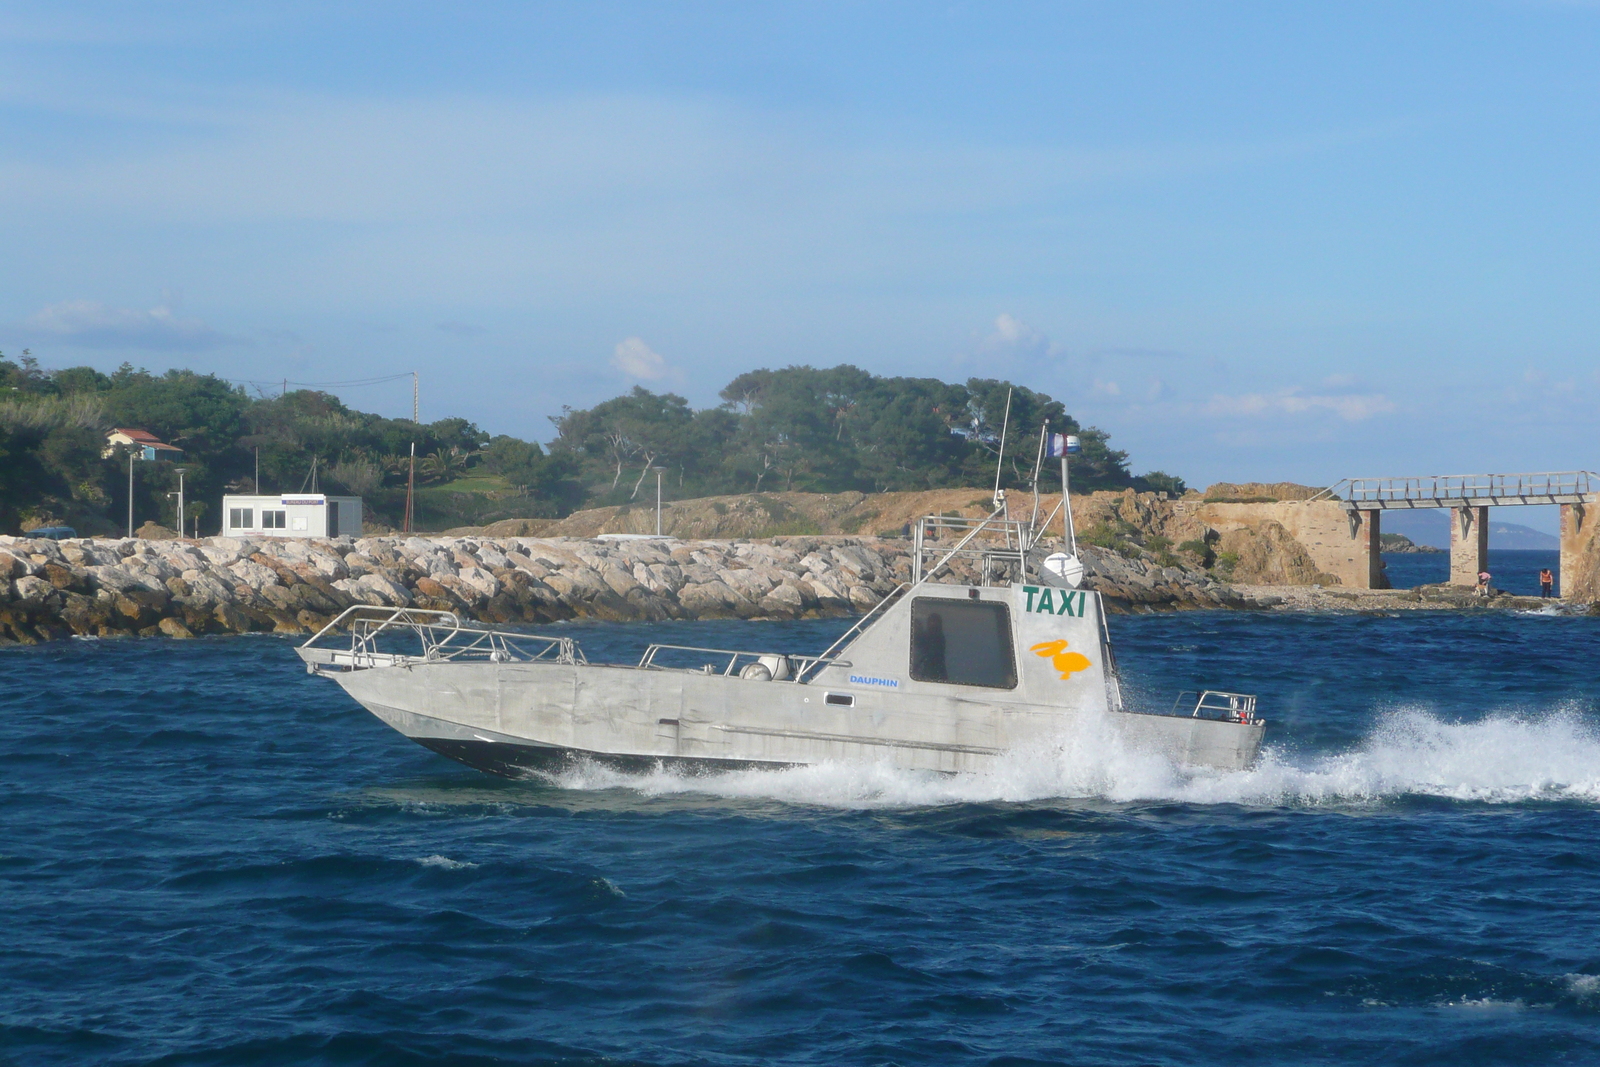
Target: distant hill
1431 526
1393 542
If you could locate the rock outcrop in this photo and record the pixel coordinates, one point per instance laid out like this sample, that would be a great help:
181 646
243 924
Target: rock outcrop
177 588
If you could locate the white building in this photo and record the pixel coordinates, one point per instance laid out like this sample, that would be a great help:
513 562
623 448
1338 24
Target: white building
292 515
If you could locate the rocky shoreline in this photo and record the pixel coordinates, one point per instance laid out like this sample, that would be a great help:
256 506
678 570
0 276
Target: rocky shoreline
181 588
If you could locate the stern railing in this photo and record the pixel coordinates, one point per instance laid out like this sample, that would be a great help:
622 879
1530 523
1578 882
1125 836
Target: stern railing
1215 704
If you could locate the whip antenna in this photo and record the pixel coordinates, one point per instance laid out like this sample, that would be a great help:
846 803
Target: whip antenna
1000 458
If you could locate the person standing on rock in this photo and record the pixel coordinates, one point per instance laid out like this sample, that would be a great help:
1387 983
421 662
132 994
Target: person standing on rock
1547 582
1483 584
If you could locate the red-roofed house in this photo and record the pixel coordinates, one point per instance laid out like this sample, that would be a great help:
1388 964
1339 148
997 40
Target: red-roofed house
142 442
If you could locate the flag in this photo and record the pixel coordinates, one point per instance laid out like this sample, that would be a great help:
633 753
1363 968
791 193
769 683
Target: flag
1060 445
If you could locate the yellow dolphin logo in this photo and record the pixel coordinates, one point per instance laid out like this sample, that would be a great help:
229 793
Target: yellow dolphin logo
1066 662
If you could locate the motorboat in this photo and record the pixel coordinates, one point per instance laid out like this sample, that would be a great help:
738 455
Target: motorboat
991 645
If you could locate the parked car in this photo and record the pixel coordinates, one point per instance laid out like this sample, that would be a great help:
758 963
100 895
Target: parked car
54 533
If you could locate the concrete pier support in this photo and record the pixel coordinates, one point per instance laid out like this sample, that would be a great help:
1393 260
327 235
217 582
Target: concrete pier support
1469 544
1369 549
1575 536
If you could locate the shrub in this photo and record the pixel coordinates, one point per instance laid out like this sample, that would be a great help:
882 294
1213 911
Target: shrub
1200 550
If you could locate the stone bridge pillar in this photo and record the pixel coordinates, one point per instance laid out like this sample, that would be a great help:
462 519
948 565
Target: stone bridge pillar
1367 526
1469 544
1575 539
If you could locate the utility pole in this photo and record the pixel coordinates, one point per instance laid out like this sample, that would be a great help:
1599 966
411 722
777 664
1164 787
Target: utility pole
416 408
659 471
258 470
131 453
411 482
180 500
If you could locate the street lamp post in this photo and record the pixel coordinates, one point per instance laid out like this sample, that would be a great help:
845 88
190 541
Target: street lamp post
132 455
659 472
180 471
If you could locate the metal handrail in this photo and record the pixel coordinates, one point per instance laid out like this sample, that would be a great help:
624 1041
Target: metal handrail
850 634
982 524
393 615
1462 487
1229 707
442 636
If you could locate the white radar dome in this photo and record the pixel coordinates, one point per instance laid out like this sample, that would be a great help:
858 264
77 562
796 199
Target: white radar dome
1068 568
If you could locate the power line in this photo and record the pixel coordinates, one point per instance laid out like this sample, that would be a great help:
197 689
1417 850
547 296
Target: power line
349 383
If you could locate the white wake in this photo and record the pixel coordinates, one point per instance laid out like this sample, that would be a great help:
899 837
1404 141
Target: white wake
1504 758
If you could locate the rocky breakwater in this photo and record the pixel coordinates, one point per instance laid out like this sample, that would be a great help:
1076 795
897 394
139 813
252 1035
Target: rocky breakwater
1135 584
178 588
52 589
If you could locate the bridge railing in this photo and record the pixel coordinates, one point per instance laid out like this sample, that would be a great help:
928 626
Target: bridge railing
1444 490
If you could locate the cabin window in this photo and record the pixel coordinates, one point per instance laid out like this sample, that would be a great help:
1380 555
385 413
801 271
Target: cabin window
241 518
333 519
842 700
962 642
274 520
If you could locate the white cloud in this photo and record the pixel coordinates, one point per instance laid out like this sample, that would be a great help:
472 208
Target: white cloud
1352 407
1010 330
94 325
1010 347
638 360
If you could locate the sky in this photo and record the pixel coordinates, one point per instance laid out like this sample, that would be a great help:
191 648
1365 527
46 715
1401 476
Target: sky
1253 241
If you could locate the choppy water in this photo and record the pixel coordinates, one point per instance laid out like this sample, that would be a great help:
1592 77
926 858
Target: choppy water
207 857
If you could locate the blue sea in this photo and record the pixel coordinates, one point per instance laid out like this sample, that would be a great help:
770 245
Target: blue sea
208 857
1515 571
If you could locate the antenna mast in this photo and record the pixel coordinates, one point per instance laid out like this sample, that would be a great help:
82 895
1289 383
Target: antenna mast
1038 461
1000 457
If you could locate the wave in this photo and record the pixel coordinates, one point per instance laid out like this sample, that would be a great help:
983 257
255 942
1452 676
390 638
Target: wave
1501 759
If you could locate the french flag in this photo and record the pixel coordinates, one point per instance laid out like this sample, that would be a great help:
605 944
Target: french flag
1060 445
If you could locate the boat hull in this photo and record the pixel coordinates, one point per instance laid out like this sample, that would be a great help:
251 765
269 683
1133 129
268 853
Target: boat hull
514 719
511 760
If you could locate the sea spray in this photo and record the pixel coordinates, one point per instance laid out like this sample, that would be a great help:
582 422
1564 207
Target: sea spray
1504 758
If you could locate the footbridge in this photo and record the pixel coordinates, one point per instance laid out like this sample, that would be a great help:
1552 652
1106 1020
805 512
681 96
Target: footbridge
1469 498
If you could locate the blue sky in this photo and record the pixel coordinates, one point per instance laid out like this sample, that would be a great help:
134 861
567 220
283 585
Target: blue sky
1253 241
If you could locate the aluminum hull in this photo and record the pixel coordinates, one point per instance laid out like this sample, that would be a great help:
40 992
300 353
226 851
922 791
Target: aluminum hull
514 718
1046 678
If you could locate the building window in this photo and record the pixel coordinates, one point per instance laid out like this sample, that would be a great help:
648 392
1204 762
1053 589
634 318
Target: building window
962 642
241 518
274 520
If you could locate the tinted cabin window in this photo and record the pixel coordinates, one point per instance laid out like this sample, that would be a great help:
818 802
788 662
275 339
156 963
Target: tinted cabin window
962 642
241 518
273 520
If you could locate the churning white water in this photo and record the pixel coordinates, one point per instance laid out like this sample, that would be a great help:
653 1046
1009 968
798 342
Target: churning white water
1505 758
